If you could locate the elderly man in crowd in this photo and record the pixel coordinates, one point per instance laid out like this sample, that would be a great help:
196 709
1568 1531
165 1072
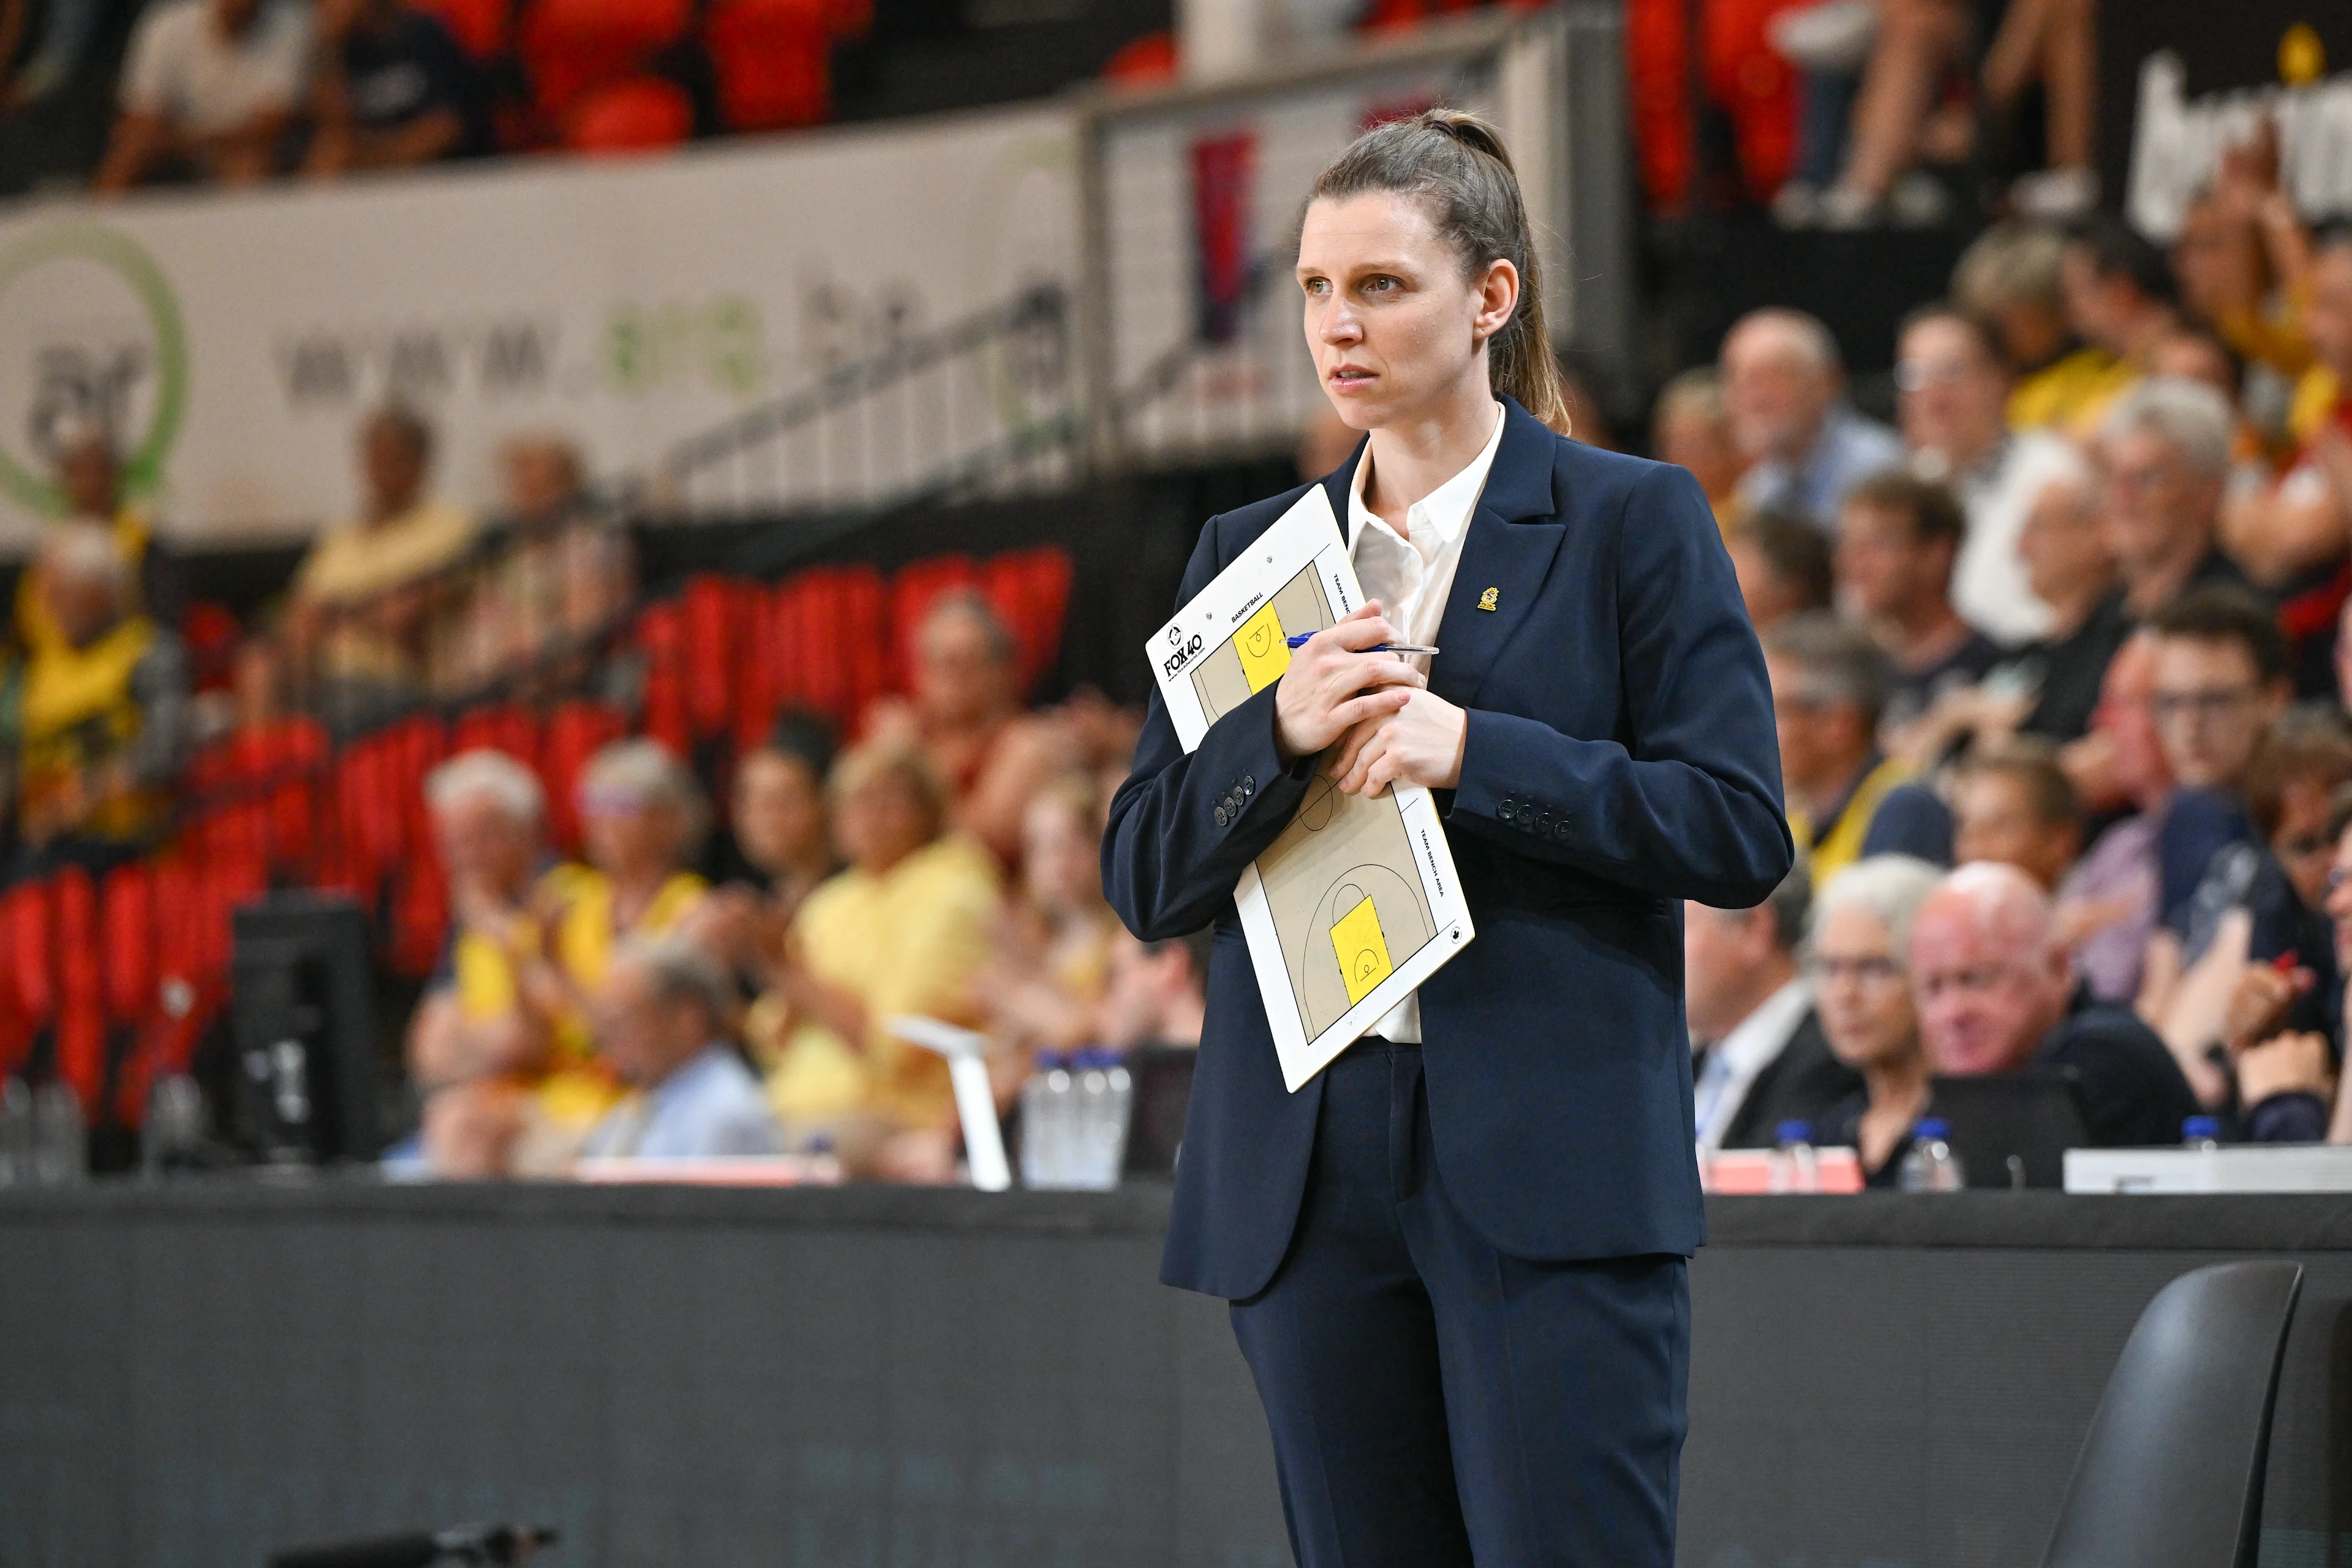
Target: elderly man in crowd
2165 449
100 720
1759 1056
2072 573
1953 394
1784 384
965 715
1829 685
209 89
1996 995
662 1023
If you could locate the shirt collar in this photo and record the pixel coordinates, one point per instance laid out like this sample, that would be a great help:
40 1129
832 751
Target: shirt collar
1446 508
1757 1038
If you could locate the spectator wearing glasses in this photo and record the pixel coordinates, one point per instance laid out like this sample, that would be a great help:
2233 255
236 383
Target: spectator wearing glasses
2011 803
1952 396
2257 925
642 818
1760 1058
1996 994
1859 961
1785 567
2071 571
1784 386
2165 448
1846 799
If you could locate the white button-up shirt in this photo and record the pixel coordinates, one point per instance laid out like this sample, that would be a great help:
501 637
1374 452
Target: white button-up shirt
1412 574
1739 1058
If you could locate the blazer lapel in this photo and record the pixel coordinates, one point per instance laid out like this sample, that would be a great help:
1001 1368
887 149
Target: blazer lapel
1341 482
1505 557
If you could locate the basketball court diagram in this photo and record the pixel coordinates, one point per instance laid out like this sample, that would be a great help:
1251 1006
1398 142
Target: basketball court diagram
1356 902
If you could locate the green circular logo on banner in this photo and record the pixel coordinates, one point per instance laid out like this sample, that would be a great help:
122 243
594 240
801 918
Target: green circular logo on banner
142 462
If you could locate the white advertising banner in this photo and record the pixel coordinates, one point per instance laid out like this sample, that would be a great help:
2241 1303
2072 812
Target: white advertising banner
234 342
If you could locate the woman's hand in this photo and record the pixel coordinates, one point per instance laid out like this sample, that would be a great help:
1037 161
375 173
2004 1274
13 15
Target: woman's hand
1333 685
1420 743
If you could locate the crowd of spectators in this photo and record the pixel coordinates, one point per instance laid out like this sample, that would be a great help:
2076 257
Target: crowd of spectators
2077 612
2059 670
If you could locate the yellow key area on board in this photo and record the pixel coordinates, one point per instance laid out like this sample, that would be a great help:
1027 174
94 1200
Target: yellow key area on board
1363 950
1264 654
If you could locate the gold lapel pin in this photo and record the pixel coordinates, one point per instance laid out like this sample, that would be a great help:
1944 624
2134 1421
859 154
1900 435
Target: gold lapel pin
1486 599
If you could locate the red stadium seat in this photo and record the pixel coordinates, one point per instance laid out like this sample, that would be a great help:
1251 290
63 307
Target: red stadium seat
644 114
570 48
1148 61
28 984
772 60
480 26
81 989
127 940
660 640
420 918
504 727
712 609
574 733
759 679
828 641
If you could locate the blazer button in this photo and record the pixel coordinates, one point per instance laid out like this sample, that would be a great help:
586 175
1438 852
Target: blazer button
1507 809
1222 816
1249 785
1560 832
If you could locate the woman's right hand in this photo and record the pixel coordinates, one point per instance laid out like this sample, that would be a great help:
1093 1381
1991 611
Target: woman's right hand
1333 684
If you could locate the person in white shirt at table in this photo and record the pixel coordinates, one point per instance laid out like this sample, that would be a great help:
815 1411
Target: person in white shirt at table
661 1023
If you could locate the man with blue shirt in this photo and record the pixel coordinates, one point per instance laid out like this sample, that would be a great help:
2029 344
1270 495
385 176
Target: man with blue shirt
1784 386
661 1023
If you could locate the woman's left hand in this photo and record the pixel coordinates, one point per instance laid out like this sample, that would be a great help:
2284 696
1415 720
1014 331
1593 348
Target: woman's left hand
1420 743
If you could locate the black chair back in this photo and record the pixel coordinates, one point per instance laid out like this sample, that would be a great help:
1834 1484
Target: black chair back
2171 1473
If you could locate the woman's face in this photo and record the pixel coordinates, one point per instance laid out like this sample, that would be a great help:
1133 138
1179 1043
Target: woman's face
779 812
1863 995
1061 862
1396 330
881 822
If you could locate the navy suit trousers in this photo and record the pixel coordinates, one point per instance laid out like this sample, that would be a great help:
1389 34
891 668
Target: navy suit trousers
1435 1401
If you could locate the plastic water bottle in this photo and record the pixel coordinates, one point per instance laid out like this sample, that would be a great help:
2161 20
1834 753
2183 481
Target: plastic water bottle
2200 1132
1931 1166
1794 1168
60 1146
18 1167
172 1138
1104 1093
1046 1102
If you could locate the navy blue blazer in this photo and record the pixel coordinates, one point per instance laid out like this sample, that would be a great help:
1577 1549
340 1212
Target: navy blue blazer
1620 757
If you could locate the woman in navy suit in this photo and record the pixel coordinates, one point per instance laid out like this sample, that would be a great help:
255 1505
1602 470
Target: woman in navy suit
1457 1257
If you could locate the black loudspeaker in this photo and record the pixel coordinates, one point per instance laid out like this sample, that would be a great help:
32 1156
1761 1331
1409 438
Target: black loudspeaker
302 1013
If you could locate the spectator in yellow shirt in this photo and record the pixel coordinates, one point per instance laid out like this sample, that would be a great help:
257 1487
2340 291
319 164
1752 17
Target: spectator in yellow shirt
903 930
2009 280
368 596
